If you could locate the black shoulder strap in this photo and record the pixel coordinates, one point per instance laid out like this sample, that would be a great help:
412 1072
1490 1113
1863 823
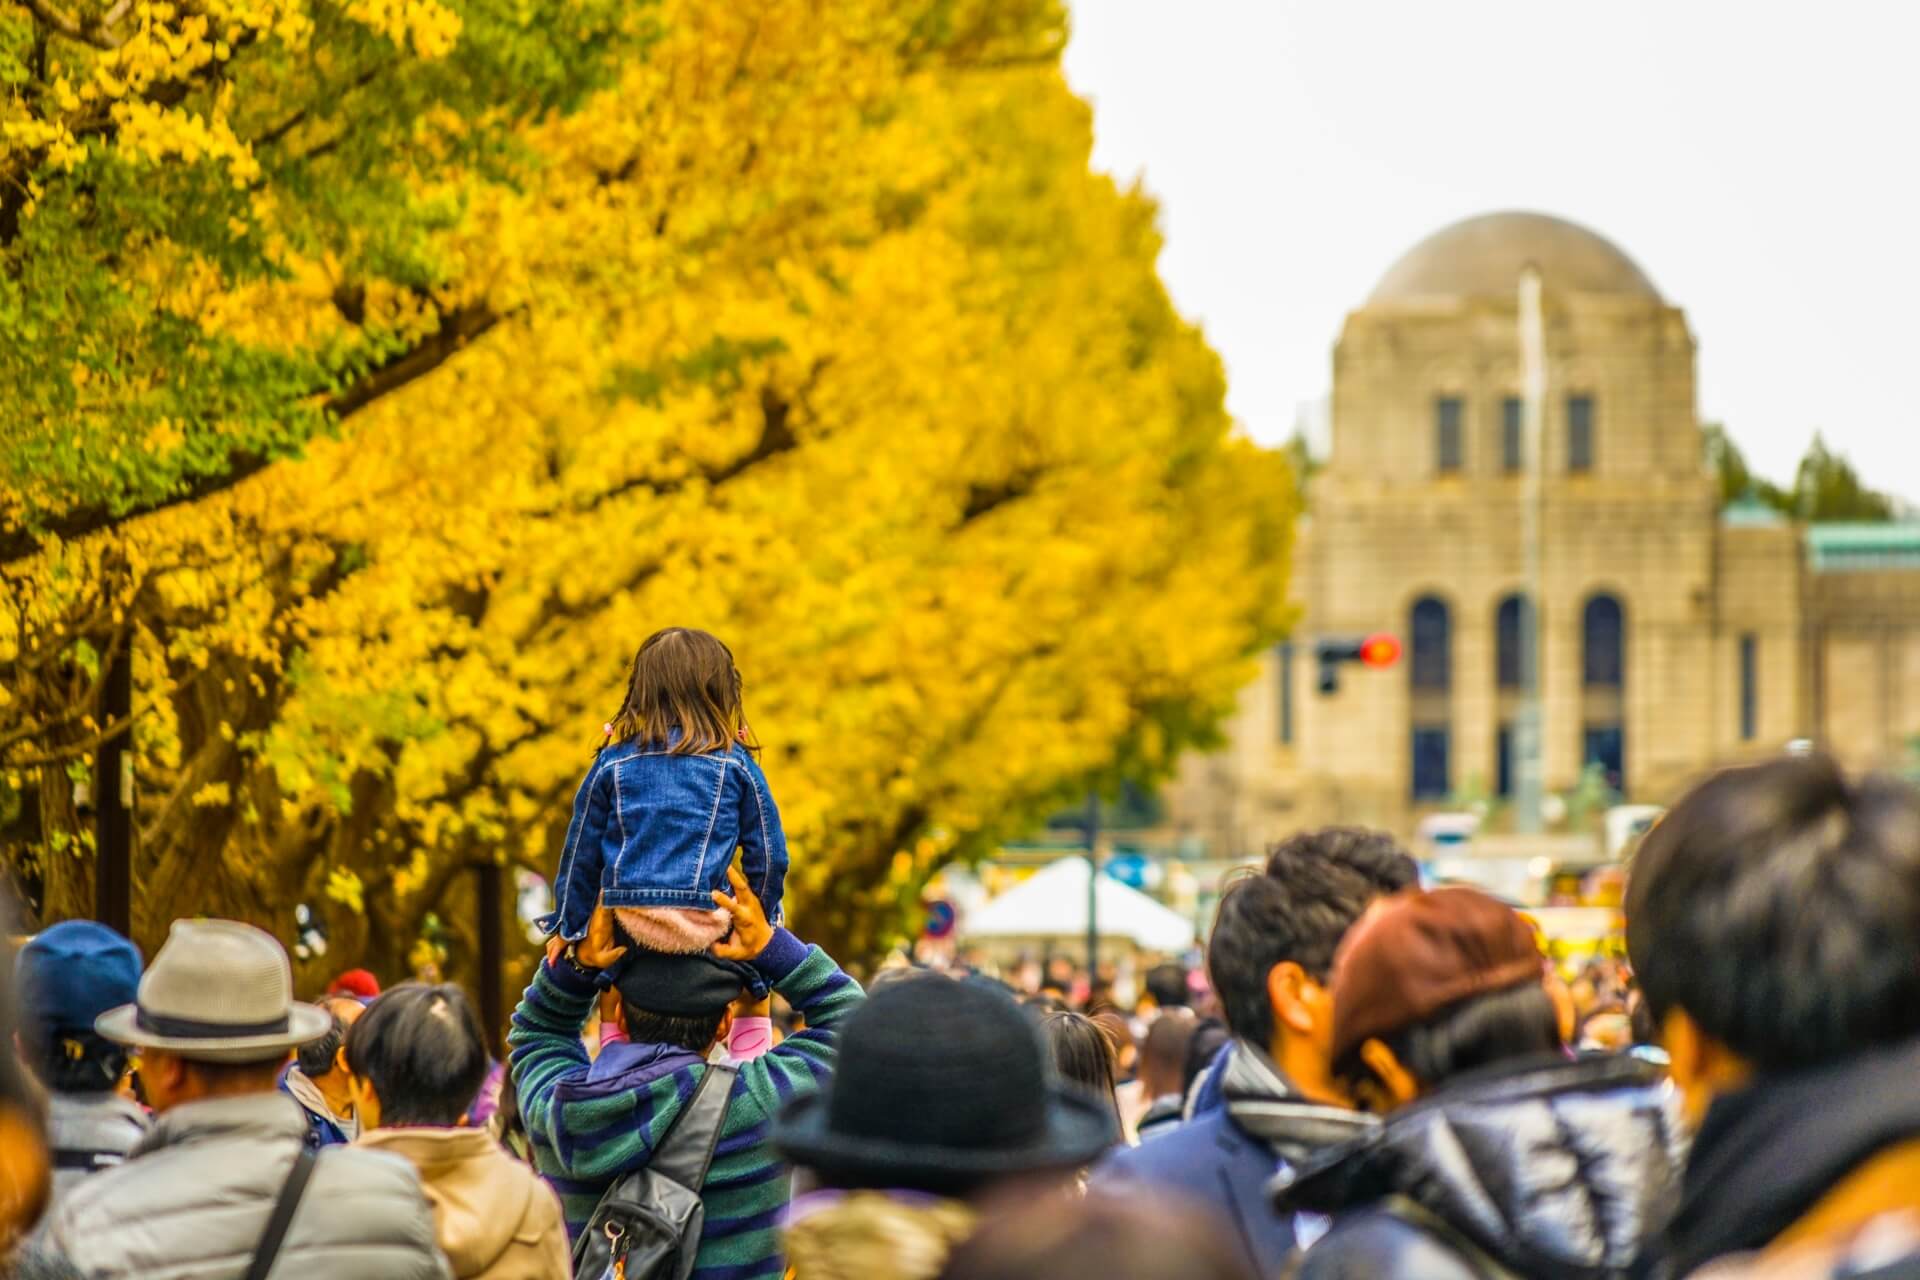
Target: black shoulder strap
268 1249
686 1151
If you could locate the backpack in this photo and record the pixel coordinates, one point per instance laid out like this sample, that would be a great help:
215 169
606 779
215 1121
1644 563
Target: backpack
648 1224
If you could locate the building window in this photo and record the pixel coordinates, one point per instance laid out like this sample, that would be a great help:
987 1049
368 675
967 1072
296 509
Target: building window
1603 673
1448 446
1503 762
1430 762
1606 746
1579 433
1509 652
1284 667
1432 632
1603 636
1749 687
1512 438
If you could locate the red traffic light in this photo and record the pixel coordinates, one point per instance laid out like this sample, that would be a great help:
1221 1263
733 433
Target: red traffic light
1380 650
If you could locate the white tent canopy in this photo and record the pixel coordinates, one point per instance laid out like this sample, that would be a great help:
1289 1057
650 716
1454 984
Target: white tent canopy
1052 903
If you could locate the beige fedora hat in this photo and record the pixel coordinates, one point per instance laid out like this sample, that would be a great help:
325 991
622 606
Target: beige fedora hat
219 991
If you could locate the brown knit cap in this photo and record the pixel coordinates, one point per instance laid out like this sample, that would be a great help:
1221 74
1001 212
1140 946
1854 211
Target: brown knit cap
1416 953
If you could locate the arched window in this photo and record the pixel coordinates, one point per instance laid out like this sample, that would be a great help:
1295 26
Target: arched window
1603 644
1603 670
1509 655
1430 628
1432 632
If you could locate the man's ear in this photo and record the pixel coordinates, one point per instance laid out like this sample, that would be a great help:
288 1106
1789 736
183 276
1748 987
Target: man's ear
339 1060
365 1102
1396 1079
1286 983
726 1027
1702 1067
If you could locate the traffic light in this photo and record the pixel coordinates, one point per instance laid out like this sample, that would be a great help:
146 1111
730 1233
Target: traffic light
1379 651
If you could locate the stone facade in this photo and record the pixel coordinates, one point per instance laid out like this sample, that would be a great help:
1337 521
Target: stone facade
1673 636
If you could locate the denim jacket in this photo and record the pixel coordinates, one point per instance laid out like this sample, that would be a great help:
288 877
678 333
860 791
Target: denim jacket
654 829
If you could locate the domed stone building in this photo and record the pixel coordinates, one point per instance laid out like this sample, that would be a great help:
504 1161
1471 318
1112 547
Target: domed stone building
1673 635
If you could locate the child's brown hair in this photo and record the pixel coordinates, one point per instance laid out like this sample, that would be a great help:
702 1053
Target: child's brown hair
683 679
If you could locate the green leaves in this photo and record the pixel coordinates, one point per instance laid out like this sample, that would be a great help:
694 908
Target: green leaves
294 217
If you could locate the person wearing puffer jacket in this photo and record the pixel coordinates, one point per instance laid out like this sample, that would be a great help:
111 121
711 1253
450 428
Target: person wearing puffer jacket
214 1021
1497 1157
415 1061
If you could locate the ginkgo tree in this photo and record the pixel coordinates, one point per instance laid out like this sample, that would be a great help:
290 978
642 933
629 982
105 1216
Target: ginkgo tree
813 328
155 156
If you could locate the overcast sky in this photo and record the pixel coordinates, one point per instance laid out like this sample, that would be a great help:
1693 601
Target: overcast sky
1760 161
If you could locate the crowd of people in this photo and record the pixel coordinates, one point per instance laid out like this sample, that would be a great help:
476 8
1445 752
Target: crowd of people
1380 1080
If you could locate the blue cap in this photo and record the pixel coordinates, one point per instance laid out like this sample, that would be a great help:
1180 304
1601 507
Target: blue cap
73 972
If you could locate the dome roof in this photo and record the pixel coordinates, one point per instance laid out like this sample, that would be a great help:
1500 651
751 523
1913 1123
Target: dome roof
1482 257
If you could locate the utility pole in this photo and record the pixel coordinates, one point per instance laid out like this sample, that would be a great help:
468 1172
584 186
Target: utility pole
113 799
1527 782
1093 887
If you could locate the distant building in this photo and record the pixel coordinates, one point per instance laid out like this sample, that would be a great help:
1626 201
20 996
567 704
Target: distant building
1675 636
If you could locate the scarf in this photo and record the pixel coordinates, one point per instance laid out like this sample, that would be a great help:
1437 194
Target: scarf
1263 1103
868 1235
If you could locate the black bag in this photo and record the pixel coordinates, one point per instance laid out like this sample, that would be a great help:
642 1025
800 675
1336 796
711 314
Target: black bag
647 1226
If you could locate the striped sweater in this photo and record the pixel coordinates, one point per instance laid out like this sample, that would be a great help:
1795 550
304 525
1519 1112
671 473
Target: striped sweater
587 1132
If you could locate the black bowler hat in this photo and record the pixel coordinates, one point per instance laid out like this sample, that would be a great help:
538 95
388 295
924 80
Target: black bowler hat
941 1086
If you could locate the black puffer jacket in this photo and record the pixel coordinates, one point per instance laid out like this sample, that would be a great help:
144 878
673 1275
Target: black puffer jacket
1541 1169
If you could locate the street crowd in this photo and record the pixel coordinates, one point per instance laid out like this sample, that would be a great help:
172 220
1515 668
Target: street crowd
1396 1084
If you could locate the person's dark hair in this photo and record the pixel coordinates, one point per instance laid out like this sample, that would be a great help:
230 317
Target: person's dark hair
1099 1235
1167 984
1518 1022
73 1061
1210 1035
686 680
421 1049
316 1057
695 1032
1081 1054
508 1126
1314 886
1163 1050
1779 906
1645 1029
1119 1034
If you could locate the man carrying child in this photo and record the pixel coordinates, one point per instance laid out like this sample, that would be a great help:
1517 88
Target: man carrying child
592 1121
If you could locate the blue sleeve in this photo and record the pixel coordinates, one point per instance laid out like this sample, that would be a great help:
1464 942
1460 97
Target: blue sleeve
822 994
763 844
543 1045
576 885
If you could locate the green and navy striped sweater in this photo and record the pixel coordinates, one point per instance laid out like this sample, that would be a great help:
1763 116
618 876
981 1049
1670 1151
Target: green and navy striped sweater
587 1132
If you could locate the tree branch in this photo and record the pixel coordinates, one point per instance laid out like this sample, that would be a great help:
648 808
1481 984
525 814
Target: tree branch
101 33
457 328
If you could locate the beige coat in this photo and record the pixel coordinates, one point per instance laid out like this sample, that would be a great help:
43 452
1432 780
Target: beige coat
493 1216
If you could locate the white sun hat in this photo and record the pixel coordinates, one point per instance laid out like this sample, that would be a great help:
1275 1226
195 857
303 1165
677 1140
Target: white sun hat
219 991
